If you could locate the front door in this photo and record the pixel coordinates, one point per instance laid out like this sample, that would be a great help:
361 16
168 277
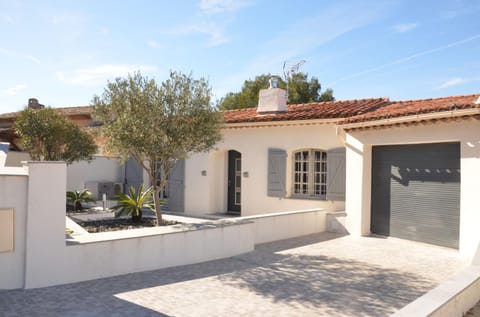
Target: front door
234 181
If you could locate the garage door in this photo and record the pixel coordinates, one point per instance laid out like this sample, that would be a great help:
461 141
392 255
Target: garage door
416 192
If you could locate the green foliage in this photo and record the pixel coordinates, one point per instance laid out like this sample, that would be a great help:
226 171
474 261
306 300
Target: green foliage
158 123
48 136
78 197
132 204
301 90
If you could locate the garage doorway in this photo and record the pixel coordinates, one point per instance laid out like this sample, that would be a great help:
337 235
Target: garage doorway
416 192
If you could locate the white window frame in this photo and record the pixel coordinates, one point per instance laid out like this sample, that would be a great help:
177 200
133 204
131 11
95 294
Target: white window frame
309 176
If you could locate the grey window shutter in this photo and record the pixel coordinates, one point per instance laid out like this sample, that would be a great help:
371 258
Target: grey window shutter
336 174
277 165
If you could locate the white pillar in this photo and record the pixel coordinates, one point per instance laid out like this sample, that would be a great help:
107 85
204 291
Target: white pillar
358 186
45 238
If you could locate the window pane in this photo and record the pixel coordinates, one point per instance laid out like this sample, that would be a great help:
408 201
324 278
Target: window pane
238 165
237 198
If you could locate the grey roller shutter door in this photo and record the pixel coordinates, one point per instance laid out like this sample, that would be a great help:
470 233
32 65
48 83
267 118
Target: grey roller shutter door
176 187
277 165
336 174
416 192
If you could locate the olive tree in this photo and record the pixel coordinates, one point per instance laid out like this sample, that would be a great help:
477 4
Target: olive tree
158 124
48 136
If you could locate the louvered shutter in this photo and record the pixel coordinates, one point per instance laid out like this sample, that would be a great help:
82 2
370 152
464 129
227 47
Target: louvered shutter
277 164
336 174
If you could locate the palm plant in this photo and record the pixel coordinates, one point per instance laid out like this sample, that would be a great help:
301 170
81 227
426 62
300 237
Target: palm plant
132 204
78 197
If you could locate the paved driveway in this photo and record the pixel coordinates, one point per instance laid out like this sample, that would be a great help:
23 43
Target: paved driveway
322 274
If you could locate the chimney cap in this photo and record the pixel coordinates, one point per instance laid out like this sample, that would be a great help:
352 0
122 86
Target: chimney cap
33 104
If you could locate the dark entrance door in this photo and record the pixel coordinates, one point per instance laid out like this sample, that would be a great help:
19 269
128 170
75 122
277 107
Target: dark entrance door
416 192
234 181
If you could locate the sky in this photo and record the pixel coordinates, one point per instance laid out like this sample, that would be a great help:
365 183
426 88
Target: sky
65 52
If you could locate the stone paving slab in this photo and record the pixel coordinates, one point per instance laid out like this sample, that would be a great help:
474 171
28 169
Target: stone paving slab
318 275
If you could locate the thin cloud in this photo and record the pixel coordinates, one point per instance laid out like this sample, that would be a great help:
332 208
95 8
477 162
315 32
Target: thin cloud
406 27
407 58
153 43
221 6
6 18
214 32
99 75
12 91
6 52
452 82
33 59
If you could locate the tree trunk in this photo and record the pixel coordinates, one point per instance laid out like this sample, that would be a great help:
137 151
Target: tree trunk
156 202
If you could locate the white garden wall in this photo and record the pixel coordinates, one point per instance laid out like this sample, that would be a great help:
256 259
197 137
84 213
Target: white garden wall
358 167
13 190
286 225
43 256
100 169
208 193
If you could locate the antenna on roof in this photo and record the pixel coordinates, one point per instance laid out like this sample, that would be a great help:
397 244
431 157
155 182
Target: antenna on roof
290 70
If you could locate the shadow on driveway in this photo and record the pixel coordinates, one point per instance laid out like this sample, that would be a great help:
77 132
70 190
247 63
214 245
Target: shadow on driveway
317 283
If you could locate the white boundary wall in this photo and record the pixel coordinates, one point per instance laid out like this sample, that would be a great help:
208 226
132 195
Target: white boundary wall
452 298
286 225
13 189
44 257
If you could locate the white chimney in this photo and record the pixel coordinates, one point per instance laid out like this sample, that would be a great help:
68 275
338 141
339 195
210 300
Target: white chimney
272 99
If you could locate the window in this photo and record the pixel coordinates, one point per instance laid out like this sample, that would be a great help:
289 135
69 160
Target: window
310 173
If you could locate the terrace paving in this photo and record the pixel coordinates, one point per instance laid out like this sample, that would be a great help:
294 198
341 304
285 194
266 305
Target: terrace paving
318 275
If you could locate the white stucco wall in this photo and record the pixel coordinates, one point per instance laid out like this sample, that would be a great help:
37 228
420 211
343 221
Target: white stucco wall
101 168
208 194
358 167
13 189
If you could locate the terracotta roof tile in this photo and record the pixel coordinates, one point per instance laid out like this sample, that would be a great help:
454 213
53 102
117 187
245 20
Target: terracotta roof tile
317 110
67 111
413 107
